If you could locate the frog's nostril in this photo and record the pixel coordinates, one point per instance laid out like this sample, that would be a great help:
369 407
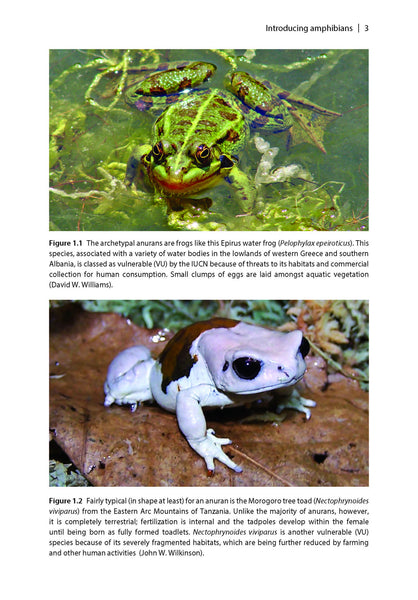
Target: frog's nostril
281 368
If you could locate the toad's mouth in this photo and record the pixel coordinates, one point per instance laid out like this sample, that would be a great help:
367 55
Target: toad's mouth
285 381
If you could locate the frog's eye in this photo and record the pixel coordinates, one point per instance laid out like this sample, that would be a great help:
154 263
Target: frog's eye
304 347
158 152
247 367
203 155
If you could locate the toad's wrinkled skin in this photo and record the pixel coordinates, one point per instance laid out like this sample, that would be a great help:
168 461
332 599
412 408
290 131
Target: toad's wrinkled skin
215 363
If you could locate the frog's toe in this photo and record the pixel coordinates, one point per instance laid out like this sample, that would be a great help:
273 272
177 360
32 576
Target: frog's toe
296 402
223 458
305 405
109 400
218 441
218 453
209 448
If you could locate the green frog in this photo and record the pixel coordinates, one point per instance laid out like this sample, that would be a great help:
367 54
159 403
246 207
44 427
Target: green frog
198 138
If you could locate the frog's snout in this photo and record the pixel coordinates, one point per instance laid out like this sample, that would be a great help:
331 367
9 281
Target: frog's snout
177 174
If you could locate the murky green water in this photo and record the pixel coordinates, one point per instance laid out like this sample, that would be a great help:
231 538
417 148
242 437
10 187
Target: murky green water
90 145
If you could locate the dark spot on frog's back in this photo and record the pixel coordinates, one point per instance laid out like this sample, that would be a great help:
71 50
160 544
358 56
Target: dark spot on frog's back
220 101
186 113
175 359
205 124
231 135
182 125
229 115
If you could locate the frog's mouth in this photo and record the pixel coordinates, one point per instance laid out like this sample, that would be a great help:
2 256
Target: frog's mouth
193 180
185 188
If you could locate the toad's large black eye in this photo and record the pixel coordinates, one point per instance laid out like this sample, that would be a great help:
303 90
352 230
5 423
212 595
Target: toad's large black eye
304 347
158 152
247 367
203 155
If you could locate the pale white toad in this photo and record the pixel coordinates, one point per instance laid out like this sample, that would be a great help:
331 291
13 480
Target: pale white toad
215 363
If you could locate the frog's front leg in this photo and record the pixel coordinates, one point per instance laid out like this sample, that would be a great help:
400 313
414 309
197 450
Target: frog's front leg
295 401
138 163
192 424
244 188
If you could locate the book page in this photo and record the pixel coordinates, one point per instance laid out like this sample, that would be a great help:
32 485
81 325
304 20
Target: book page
211 281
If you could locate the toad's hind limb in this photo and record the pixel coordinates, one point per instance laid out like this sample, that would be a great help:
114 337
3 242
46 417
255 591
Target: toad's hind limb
192 424
127 379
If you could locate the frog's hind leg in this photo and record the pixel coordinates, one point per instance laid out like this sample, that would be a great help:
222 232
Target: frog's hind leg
128 376
168 83
269 111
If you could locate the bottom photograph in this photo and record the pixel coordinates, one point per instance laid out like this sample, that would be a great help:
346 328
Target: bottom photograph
209 393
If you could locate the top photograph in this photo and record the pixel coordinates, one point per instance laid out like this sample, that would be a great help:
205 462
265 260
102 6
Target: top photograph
208 140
